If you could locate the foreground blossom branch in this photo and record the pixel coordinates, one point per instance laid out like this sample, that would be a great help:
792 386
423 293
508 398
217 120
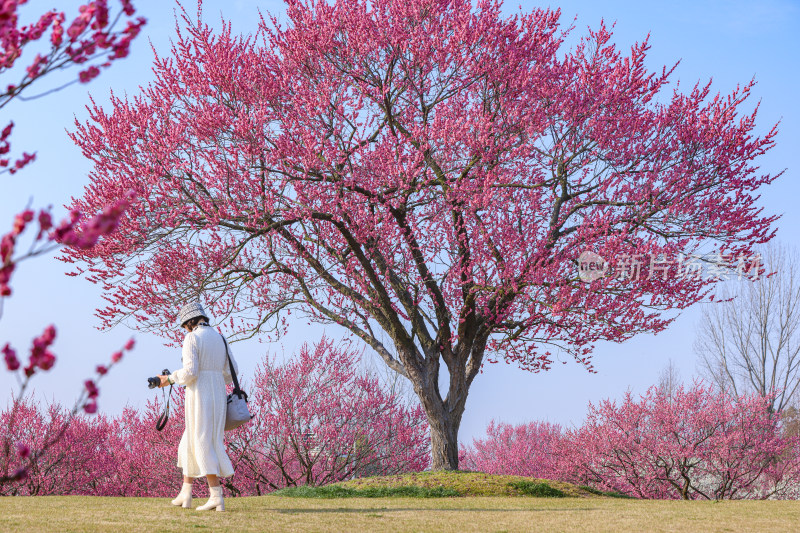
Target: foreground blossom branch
94 41
75 231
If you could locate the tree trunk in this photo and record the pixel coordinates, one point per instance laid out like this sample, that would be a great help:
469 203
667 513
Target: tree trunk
444 415
444 445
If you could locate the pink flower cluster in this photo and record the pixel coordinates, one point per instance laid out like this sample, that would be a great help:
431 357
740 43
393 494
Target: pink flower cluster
41 356
90 36
530 449
5 147
7 243
80 233
10 356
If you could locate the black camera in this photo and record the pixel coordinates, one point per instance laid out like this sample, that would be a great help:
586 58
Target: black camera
152 383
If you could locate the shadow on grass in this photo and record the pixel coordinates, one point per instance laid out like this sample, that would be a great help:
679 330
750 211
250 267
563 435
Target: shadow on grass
336 491
416 509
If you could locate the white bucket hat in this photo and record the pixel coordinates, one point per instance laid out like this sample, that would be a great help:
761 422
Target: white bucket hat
190 311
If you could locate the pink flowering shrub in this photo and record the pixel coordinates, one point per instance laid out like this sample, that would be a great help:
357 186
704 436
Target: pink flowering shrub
525 450
145 458
696 443
29 436
319 420
72 451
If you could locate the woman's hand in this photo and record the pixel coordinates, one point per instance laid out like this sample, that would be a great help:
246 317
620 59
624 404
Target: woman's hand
164 381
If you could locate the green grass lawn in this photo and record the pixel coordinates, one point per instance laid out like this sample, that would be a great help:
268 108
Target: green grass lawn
477 513
487 503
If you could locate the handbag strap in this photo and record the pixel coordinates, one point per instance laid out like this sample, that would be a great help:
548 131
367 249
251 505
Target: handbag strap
233 373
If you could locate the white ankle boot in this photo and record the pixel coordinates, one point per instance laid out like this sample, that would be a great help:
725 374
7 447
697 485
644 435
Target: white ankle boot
214 500
184 498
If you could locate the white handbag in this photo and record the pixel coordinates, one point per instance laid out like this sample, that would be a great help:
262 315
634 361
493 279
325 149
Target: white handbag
237 412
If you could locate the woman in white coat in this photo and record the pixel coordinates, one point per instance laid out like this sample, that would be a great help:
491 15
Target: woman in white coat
205 373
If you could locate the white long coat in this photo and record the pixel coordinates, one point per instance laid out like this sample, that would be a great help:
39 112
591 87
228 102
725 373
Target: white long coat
205 373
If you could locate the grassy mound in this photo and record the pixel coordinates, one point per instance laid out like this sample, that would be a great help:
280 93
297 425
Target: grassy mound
443 484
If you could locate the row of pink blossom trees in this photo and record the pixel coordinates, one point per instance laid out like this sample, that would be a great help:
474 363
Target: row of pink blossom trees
690 443
318 420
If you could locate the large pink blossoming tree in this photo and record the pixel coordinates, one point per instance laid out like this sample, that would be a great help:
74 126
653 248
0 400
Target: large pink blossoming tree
424 173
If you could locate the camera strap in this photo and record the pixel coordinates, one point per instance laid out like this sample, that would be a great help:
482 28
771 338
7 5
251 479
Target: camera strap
161 423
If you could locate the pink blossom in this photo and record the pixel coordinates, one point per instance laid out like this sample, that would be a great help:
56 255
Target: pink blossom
40 354
77 27
21 474
47 360
35 68
12 363
22 162
127 7
23 451
7 129
89 74
57 36
91 389
6 247
84 234
21 220
45 222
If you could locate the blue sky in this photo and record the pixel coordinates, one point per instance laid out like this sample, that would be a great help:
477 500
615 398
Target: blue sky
729 41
